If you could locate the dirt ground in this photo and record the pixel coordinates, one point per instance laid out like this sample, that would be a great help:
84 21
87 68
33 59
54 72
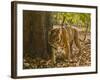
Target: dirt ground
84 59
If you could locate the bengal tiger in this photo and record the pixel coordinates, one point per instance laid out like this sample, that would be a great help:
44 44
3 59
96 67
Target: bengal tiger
61 40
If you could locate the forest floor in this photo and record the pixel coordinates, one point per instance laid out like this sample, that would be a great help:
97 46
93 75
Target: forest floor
84 59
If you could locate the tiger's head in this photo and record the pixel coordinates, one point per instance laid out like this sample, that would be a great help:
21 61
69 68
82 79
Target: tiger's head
54 36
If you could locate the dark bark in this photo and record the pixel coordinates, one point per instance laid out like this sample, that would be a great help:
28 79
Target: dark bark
35 30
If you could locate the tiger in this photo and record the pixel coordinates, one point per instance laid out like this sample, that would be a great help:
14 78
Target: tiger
61 40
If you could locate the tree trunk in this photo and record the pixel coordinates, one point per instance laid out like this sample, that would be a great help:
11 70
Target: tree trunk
35 28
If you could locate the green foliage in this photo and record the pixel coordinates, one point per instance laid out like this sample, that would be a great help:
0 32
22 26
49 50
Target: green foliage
81 20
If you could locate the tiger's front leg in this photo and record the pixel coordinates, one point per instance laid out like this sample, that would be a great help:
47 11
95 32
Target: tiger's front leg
53 56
